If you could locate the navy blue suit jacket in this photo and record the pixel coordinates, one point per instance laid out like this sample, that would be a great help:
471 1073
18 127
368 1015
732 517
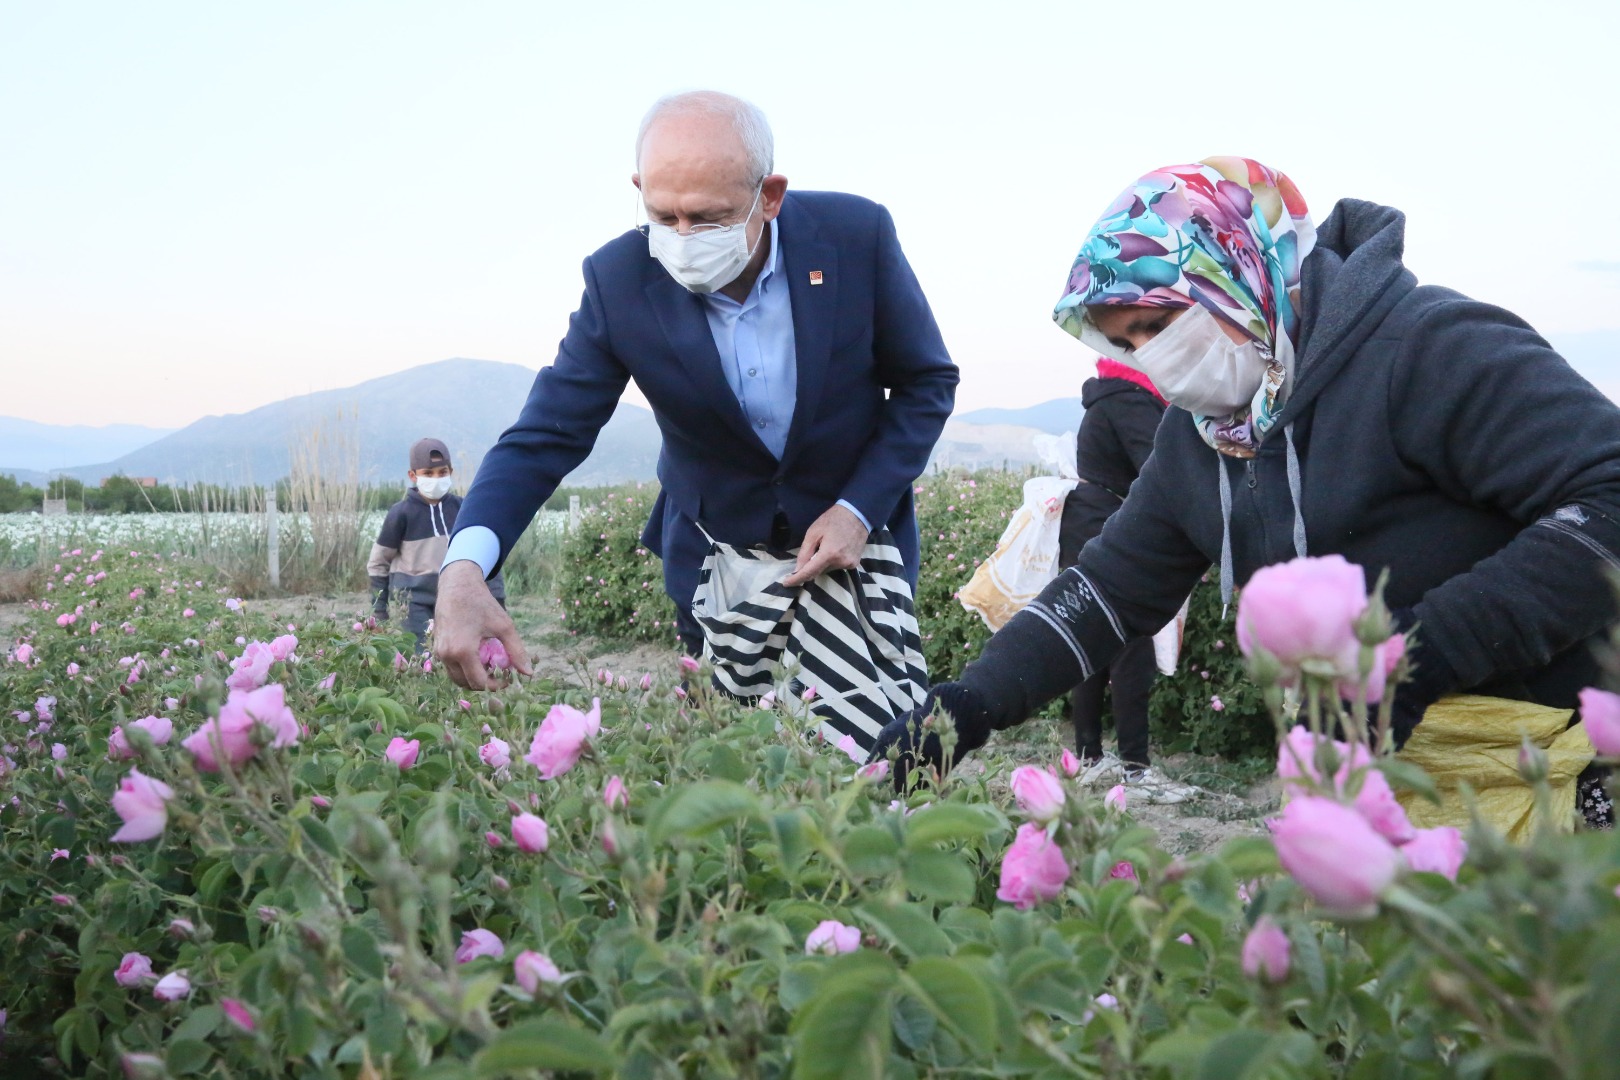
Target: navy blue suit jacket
875 386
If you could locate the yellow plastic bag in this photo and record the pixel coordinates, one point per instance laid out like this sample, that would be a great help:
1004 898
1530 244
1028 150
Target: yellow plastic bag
1474 740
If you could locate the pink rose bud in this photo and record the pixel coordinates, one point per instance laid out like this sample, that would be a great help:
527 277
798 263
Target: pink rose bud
809 695
496 753
530 833
1116 798
60 853
181 928
561 740
646 682
238 1014
358 627
769 700
831 937
493 838
400 663
500 884
1303 613
321 801
613 795
533 969
476 943
402 752
172 987
852 749
328 682
1033 869
1039 792
610 839
1265 951
143 804
134 970
1436 851
61 899
875 770
689 665
1069 763
1335 855
604 676
1600 715
1123 871
144 1067
1186 939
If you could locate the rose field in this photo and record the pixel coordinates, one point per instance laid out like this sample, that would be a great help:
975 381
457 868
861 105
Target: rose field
256 837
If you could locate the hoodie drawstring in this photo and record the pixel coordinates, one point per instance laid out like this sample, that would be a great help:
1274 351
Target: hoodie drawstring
1226 517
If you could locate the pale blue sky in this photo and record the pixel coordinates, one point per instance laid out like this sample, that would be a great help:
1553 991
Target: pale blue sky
205 207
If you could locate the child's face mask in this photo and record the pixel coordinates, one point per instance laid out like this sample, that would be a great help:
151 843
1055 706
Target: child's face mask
433 488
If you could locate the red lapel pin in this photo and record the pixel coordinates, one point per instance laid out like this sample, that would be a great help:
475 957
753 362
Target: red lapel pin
815 277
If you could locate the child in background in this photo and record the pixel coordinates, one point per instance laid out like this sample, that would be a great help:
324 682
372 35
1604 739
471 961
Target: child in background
413 539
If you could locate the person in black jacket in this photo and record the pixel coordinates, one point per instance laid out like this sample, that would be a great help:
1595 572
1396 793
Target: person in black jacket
1322 402
1123 410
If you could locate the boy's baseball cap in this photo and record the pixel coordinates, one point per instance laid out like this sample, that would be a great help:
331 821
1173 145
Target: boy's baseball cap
429 454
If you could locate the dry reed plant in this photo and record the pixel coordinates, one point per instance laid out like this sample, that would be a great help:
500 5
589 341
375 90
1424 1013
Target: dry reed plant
324 485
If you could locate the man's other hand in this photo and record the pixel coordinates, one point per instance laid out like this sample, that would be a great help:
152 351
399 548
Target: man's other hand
463 617
835 542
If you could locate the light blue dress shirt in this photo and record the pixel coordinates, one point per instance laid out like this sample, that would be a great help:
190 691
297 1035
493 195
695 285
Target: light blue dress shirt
760 363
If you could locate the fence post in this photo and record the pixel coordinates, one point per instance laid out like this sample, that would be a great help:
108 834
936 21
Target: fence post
275 538
573 513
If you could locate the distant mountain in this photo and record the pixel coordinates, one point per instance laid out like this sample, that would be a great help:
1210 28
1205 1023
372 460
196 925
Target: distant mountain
39 448
1052 417
471 403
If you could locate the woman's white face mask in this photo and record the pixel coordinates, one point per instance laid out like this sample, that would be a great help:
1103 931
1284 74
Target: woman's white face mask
1198 368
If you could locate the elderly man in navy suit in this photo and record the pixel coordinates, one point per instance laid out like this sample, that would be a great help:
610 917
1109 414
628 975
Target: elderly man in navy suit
789 356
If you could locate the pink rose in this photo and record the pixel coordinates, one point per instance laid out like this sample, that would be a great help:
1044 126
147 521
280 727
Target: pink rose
1116 798
476 943
1600 714
250 670
233 729
530 833
282 647
1298 757
402 752
238 1014
172 987
876 770
1335 855
328 682
613 795
1265 951
1123 871
1303 613
689 665
852 749
561 740
134 970
400 663
1039 792
831 937
496 753
142 803
1033 869
532 969
492 654
1436 851
1386 658
1376 802
1069 763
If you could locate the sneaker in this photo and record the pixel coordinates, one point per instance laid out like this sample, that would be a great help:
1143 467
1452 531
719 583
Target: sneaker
1152 786
1107 769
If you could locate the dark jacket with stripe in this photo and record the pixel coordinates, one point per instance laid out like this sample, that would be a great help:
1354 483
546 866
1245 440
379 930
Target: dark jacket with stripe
1438 437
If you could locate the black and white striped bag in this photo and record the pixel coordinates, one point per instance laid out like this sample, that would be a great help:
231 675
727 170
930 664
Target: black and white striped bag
849 635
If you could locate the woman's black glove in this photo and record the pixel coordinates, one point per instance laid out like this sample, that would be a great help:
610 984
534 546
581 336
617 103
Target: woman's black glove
1432 677
916 734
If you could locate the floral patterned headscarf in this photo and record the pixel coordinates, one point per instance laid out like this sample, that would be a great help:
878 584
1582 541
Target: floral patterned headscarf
1227 233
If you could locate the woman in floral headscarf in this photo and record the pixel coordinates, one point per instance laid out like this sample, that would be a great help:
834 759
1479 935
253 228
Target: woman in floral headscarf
1322 402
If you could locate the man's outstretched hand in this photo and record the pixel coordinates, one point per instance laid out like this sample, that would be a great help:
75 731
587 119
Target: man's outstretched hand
464 616
835 542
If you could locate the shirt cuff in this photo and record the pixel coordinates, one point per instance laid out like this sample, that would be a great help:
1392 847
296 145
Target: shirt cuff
475 543
847 505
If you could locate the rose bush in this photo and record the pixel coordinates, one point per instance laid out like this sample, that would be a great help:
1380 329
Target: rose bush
742 902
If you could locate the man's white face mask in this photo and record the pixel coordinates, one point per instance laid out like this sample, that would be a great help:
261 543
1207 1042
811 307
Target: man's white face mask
1198 368
433 487
708 258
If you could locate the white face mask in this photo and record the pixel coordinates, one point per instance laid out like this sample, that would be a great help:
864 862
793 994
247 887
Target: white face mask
708 258
433 488
1198 368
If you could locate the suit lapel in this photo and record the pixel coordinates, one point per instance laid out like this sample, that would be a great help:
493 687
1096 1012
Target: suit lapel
812 273
680 315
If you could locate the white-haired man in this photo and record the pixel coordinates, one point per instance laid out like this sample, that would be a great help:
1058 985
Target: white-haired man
789 355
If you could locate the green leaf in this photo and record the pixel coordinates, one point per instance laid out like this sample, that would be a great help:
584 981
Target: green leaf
319 835
360 949
845 1031
914 1022
1249 857
947 821
187 1056
546 1043
199 1025
1403 775
871 851
908 926
792 844
1214 889
940 875
958 997
695 809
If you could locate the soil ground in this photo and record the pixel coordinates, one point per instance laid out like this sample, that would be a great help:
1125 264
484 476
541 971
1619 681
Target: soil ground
1234 799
